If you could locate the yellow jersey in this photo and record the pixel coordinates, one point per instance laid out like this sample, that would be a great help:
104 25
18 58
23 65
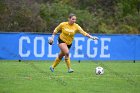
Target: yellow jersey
68 31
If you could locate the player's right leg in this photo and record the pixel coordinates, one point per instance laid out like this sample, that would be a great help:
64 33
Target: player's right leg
57 61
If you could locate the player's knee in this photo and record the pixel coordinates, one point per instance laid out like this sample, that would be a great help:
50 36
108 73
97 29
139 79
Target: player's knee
66 54
60 56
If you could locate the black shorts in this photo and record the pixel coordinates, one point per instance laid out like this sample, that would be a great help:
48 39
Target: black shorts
60 41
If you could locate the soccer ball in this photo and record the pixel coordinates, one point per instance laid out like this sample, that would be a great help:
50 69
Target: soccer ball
99 70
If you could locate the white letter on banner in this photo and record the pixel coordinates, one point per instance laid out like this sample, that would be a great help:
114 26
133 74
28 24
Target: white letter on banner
42 46
26 38
103 47
77 47
89 49
50 51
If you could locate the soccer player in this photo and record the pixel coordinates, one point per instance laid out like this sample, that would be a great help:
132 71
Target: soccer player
68 30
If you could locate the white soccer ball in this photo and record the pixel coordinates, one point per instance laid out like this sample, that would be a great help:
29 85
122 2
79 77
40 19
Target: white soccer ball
99 70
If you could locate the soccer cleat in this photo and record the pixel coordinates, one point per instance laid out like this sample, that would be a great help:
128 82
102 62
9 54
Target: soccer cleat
51 68
70 70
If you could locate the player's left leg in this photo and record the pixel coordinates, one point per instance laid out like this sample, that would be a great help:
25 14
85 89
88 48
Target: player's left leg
64 48
67 60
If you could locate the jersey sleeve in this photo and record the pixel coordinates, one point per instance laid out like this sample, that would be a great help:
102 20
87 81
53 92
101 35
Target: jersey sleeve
80 30
58 28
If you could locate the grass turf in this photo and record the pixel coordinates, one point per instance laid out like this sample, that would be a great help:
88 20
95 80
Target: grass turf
35 77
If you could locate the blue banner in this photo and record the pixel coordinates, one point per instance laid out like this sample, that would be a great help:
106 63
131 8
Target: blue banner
34 46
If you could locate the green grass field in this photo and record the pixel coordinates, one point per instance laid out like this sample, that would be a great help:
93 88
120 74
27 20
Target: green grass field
35 77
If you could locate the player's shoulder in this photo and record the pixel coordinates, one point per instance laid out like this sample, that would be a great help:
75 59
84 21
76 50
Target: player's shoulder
63 23
77 25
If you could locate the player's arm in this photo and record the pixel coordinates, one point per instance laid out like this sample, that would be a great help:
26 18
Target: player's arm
58 28
86 34
92 37
52 38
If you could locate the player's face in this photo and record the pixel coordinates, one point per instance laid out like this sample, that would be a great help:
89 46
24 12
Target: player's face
72 20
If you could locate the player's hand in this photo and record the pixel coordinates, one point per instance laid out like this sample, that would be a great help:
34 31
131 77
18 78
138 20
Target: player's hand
94 37
51 41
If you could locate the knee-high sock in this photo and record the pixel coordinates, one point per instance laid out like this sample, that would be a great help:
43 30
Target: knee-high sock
67 60
56 62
